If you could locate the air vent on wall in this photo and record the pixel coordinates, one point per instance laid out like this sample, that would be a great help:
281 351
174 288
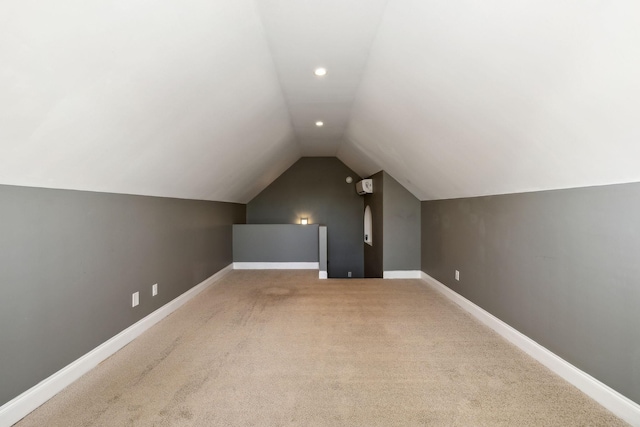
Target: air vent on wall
365 186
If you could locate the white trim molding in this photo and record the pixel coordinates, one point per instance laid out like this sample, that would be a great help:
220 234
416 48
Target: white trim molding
322 275
276 266
615 402
19 407
402 274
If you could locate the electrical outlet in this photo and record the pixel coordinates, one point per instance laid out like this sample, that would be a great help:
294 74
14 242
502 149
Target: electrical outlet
457 275
135 299
349 274
154 290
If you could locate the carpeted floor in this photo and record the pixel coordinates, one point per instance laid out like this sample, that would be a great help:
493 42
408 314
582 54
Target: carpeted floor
282 348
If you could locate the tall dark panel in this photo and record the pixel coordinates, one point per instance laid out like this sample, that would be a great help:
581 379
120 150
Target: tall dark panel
560 266
396 228
373 254
70 260
315 188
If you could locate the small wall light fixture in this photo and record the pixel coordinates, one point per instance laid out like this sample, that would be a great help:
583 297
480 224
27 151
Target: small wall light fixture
304 221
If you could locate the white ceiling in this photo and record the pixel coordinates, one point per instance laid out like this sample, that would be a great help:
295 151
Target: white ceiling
334 34
466 98
160 97
214 99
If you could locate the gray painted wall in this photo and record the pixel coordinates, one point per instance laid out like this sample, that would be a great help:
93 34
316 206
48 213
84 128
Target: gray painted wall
315 187
70 260
322 248
401 220
561 266
396 227
275 243
373 254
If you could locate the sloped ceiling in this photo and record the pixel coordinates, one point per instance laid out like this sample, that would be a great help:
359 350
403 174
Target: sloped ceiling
164 98
465 98
212 100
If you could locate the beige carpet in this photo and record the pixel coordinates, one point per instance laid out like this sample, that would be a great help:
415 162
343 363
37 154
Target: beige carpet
274 348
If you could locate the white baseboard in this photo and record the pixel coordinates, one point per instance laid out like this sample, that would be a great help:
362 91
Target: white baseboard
19 407
615 402
276 266
322 275
402 274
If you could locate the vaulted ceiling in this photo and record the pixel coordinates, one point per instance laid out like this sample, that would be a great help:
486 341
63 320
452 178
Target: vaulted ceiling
213 99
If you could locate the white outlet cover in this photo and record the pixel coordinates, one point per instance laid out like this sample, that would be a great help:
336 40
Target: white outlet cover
154 290
457 275
135 299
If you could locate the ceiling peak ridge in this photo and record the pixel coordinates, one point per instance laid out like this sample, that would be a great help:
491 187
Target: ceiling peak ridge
303 37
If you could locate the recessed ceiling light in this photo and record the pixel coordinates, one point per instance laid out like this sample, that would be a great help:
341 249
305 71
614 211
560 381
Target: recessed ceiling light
319 123
320 72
